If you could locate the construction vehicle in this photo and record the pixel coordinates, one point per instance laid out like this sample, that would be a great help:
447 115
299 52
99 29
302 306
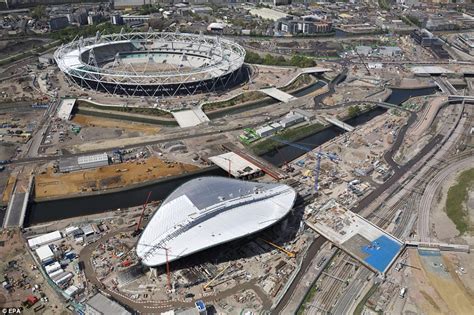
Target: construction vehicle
288 253
208 285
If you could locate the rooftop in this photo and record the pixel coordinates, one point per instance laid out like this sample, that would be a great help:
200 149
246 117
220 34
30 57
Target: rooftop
363 240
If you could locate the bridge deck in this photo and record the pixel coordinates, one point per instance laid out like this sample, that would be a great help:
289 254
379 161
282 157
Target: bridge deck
278 94
340 124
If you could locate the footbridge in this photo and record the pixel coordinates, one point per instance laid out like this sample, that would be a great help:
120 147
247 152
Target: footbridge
340 124
439 246
278 94
18 203
457 98
379 104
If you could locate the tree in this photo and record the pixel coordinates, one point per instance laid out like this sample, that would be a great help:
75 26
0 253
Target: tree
354 110
38 12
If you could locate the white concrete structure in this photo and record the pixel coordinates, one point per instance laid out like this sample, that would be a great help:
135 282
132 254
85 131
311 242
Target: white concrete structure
208 211
45 254
278 94
190 118
427 70
339 123
235 164
65 108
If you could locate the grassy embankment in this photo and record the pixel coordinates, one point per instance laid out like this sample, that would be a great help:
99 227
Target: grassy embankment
237 100
135 114
254 96
293 134
457 196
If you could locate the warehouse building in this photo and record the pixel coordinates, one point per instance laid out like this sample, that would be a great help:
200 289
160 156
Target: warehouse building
44 239
45 254
99 304
291 119
71 164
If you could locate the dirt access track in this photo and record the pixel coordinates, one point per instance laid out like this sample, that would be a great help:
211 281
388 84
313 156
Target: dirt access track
52 184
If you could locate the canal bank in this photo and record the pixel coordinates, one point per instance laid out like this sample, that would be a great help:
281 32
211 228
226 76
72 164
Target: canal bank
44 211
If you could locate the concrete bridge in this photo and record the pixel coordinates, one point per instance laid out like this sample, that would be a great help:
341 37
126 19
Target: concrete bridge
445 85
439 246
278 95
380 104
340 124
18 203
457 98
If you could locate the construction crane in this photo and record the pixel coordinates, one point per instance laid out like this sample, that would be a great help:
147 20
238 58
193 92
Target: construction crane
168 273
209 284
333 157
288 253
363 62
137 229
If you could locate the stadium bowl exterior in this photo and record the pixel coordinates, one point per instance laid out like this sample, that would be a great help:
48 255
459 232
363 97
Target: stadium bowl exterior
209 211
82 62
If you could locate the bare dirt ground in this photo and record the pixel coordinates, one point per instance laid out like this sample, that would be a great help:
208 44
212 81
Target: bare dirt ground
420 133
8 188
23 277
432 289
113 123
113 176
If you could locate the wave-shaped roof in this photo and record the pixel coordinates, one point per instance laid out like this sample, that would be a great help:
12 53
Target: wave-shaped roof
208 211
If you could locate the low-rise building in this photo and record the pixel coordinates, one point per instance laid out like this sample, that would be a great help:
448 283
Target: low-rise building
99 304
58 23
306 25
291 119
265 131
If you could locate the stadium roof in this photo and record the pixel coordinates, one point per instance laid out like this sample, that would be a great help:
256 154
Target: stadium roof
209 211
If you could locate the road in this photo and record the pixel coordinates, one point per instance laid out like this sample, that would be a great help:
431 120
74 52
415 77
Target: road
158 306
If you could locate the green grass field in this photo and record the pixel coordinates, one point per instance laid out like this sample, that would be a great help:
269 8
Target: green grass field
293 134
457 196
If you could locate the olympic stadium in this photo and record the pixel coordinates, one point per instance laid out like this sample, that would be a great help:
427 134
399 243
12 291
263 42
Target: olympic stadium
153 63
208 211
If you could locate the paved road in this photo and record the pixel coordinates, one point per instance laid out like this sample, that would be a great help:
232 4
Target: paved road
157 307
307 262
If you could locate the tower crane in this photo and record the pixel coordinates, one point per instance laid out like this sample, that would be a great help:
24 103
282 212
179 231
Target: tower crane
137 229
331 156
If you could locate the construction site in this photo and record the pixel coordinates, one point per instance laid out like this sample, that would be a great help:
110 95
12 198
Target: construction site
366 143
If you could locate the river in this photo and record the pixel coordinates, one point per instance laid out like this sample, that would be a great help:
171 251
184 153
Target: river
45 211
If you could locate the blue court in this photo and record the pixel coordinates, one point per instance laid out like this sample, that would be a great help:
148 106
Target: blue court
381 252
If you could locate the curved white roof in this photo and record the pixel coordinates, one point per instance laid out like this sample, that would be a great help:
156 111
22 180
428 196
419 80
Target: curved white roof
208 211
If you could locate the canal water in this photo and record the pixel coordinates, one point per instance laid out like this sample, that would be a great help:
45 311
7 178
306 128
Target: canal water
45 211
270 101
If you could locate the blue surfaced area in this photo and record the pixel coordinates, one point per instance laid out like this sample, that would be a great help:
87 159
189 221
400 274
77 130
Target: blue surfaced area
381 252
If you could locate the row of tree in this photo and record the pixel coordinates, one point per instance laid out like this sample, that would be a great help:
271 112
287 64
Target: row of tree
270 60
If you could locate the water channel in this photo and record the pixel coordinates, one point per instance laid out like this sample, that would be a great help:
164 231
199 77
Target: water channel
45 211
